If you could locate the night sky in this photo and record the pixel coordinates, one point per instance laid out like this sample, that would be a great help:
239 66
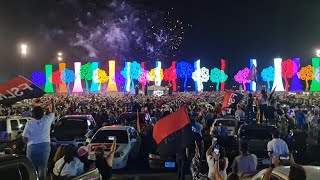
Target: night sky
235 30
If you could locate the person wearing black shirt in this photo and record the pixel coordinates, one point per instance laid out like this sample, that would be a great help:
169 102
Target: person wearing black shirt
104 165
249 107
271 114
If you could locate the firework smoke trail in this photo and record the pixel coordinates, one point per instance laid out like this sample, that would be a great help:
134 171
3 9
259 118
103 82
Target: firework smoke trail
121 31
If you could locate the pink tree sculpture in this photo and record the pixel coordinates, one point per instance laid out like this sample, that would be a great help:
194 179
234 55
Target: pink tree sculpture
143 78
241 77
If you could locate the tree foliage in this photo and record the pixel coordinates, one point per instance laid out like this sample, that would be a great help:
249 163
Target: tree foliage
86 73
218 76
152 75
143 78
56 79
306 74
38 78
170 74
68 76
287 71
241 77
102 76
184 70
202 75
267 75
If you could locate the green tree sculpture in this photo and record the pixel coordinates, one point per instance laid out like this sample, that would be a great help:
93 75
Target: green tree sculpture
86 73
218 76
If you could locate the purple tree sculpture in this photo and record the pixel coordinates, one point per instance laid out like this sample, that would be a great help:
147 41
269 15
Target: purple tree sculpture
38 78
184 70
119 79
241 77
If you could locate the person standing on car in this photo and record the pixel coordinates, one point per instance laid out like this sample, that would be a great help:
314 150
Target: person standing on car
249 107
245 163
262 105
277 146
104 165
37 136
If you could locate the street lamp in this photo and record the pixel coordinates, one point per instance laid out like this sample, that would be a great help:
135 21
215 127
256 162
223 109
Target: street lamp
60 58
24 51
318 52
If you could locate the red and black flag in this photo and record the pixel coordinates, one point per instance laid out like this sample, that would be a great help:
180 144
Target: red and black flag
231 97
173 133
18 89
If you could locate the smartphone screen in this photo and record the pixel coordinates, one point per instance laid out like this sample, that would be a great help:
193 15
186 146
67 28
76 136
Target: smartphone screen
111 138
216 149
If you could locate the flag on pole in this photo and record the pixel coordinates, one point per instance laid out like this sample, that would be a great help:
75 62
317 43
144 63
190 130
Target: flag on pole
173 133
252 76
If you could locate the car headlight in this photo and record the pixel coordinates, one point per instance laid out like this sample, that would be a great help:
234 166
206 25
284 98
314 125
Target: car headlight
153 156
118 154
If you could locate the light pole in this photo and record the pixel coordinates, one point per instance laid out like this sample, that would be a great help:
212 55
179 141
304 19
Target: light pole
24 51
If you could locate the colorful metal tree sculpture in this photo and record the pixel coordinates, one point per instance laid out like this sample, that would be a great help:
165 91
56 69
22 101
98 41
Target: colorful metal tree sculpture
287 71
267 75
56 79
38 78
184 70
68 77
218 76
86 73
241 77
306 74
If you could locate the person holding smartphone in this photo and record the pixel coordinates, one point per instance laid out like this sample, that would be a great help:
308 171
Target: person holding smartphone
223 161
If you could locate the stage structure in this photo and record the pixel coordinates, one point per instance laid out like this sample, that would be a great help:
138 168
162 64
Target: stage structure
112 86
315 85
95 76
296 84
277 83
77 87
48 86
63 85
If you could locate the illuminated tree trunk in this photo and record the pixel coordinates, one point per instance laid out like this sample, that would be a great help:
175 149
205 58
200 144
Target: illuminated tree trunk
287 84
244 86
68 86
217 87
132 84
185 84
268 83
87 85
307 85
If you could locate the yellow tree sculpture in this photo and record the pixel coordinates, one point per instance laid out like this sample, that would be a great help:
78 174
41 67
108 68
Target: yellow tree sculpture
306 74
102 77
152 76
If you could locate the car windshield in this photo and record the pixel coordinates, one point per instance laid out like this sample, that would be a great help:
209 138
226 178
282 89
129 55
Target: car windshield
3 125
72 122
261 134
103 136
226 122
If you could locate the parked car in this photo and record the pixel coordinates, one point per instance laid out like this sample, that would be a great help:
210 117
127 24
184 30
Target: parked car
257 136
128 144
73 129
157 162
11 126
130 119
282 173
20 167
231 124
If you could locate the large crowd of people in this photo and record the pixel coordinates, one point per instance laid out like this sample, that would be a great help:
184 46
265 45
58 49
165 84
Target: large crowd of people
284 110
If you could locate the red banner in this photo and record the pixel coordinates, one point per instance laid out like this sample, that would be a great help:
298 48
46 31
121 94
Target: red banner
18 89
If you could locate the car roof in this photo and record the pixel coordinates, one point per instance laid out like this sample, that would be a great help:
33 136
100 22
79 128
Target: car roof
7 157
313 172
76 116
115 127
257 126
226 119
132 113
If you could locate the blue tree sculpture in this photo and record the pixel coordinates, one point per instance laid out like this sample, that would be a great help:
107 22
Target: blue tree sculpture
135 72
184 70
38 78
68 76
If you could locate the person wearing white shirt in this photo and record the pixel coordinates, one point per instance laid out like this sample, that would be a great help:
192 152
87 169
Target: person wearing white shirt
36 135
68 166
277 147
211 162
239 113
